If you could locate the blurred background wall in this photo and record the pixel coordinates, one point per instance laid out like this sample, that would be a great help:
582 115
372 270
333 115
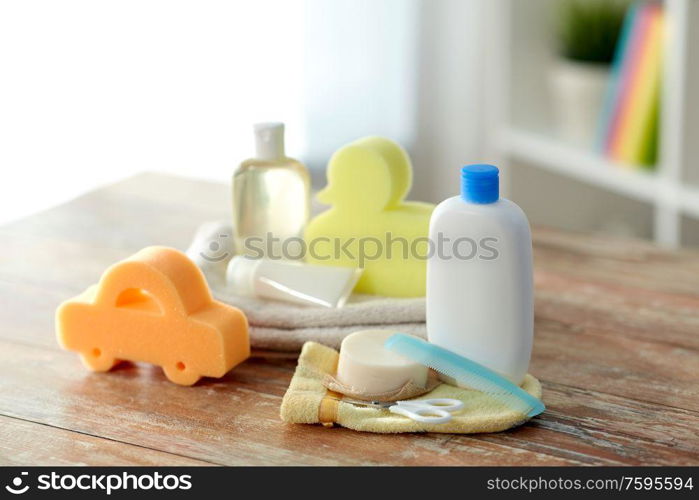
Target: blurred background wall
93 91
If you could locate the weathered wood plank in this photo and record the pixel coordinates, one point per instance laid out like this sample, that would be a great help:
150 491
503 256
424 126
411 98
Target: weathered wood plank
616 347
618 310
137 212
230 421
254 390
628 262
600 429
577 350
26 443
652 372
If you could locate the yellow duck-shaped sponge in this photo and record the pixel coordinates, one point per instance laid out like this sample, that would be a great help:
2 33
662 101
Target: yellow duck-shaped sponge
369 225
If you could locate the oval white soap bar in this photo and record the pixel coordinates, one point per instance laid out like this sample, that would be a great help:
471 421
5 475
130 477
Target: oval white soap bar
367 367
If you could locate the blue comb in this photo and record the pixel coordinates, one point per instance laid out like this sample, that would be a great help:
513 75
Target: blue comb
466 372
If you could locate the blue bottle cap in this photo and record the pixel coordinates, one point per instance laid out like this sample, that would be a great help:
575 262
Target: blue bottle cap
480 183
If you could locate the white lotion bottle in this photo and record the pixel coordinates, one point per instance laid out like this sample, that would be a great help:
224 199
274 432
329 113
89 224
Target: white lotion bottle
480 298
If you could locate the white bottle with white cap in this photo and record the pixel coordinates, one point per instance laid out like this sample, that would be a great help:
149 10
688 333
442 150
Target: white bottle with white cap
271 198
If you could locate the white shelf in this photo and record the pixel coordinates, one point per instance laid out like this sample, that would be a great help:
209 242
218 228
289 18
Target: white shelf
578 164
586 166
519 104
689 201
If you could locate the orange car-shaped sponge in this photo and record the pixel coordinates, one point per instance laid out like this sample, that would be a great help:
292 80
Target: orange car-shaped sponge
155 307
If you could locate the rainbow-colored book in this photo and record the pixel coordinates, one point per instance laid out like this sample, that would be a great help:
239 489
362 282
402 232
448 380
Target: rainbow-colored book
629 124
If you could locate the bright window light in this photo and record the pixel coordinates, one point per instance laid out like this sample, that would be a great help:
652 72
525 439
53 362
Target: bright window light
93 92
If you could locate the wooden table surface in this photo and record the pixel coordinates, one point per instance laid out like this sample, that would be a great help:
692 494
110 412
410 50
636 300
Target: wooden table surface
616 348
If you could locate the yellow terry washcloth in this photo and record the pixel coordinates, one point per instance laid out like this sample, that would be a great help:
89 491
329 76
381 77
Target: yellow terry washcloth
307 401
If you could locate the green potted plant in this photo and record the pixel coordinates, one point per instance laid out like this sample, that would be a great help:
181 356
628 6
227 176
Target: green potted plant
587 31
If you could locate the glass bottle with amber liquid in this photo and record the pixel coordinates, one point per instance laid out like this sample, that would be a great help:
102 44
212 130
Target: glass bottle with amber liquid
271 199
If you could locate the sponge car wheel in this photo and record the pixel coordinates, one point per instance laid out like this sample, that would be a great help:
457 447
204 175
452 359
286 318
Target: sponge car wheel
180 374
97 360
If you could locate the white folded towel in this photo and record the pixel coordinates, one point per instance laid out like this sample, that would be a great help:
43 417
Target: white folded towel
283 326
276 339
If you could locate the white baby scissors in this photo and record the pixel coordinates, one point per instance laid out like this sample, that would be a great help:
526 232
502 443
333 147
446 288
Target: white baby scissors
427 411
